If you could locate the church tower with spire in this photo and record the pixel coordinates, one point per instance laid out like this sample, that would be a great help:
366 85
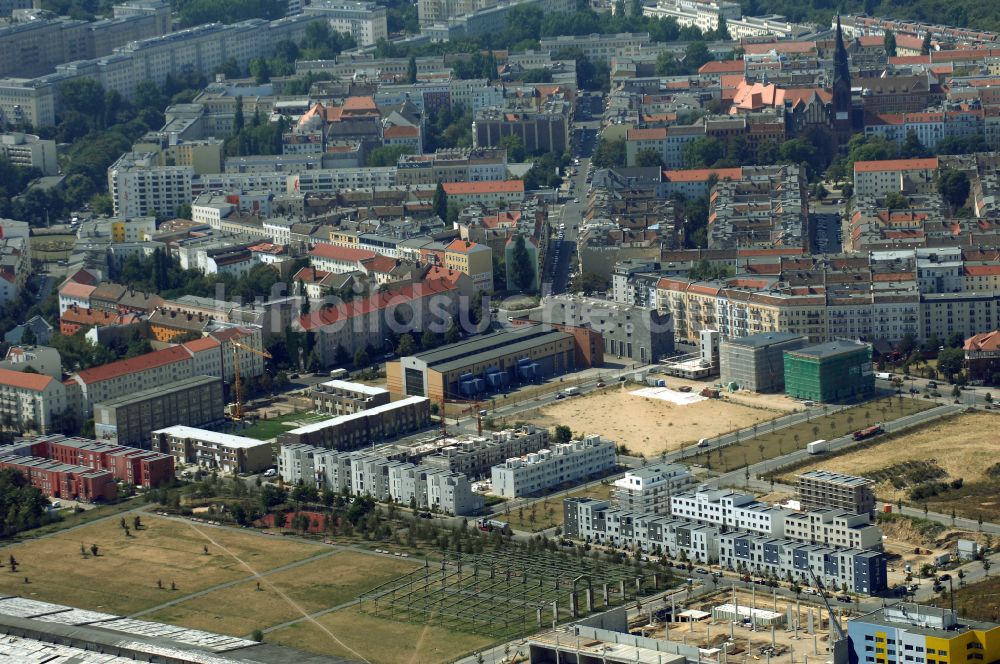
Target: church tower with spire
841 89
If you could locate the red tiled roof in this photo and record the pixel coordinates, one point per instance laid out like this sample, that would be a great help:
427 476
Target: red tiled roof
780 47
309 275
651 134
379 263
491 187
74 289
982 270
721 67
340 253
25 381
987 341
376 302
400 131
199 345
702 174
228 333
145 362
461 246
930 163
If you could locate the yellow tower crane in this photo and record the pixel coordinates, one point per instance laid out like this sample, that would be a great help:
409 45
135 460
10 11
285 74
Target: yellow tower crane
237 387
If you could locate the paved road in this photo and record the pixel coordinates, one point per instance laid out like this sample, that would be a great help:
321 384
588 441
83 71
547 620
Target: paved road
738 477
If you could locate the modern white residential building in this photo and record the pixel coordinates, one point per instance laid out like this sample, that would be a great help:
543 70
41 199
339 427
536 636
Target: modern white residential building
474 456
30 151
365 21
213 450
366 473
563 463
648 490
702 14
834 527
730 509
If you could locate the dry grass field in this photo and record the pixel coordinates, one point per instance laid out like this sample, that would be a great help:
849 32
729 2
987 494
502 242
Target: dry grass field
350 633
649 426
770 444
122 578
548 512
286 595
962 447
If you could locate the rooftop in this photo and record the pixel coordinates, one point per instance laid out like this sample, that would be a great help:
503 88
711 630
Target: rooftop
133 365
177 385
377 410
224 439
360 388
830 349
481 348
838 478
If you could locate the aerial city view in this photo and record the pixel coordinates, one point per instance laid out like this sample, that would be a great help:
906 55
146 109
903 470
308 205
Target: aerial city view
499 331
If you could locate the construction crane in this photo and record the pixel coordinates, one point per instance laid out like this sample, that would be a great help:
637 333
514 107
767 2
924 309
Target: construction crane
237 387
833 618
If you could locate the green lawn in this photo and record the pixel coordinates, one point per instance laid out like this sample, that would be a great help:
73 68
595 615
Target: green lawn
271 427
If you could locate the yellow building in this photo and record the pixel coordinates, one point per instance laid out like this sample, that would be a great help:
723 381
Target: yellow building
914 634
475 260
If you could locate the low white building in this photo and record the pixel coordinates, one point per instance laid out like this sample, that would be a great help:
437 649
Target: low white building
213 450
648 490
564 463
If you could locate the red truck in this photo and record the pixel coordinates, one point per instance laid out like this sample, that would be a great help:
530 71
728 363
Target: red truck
868 432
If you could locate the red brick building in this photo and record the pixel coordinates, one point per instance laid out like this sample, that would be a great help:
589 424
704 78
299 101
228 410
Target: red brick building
62 480
142 468
982 355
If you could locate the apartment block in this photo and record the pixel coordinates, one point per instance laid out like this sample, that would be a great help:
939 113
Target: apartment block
562 464
857 570
701 14
598 47
648 490
33 400
63 480
212 450
29 151
474 456
834 527
599 522
365 21
823 488
341 397
131 420
365 473
363 428
764 208
542 129
878 178
729 509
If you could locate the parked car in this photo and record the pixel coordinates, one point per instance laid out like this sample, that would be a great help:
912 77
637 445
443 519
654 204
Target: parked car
270 472
844 598
701 570
600 383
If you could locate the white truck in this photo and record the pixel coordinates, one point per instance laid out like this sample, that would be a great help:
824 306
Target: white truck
883 375
818 446
571 391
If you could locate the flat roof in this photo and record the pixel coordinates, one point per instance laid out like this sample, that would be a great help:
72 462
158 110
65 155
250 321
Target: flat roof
175 386
485 347
354 387
765 339
837 478
829 349
227 439
336 421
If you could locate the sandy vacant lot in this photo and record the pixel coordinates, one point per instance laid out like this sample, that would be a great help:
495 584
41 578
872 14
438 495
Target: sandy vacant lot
964 446
649 426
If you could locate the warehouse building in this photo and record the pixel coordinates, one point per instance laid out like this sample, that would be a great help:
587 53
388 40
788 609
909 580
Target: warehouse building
364 428
341 397
213 450
565 463
824 488
756 362
921 634
130 420
833 372
492 363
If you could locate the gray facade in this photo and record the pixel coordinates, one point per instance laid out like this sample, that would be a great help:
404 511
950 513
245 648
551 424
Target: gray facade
641 334
823 488
193 402
756 362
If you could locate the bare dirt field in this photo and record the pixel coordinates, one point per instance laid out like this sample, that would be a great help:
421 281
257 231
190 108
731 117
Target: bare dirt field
122 578
925 466
350 633
285 596
650 426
